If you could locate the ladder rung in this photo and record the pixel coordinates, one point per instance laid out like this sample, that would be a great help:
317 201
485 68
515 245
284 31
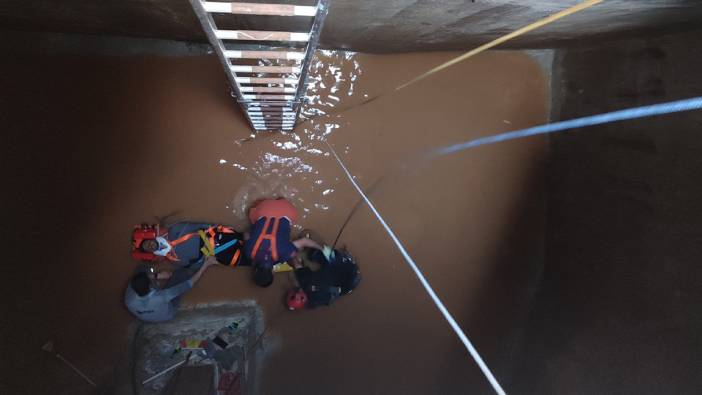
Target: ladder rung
265 69
270 109
264 55
276 105
260 9
269 97
257 80
278 115
257 35
267 89
270 112
272 119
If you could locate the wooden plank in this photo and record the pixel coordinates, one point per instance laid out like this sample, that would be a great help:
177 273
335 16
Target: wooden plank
258 35
263 89
259 80
265 69
286 55
260 9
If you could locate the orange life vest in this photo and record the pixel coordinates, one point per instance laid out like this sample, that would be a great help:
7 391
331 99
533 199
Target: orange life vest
270 236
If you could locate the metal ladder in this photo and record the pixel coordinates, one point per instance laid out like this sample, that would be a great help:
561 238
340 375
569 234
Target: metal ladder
272 94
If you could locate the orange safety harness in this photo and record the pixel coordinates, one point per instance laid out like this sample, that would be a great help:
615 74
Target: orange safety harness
150 232
212 231
270 236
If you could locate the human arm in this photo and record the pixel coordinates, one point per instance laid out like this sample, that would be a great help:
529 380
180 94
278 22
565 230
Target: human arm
306 243
181 288
209 261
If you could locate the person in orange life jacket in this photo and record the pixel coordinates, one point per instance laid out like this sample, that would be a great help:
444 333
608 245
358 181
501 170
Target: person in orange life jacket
269 241
182 243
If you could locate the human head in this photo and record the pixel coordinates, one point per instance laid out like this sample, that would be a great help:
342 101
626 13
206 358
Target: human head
149 245
141 283
296 299
263 277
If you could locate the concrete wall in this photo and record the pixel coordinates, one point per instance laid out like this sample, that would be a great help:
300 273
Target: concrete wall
364 25
619 307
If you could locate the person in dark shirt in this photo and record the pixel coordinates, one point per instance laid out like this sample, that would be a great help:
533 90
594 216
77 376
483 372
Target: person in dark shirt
338 275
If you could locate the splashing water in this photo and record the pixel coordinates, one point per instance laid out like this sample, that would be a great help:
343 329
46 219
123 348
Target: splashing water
286 164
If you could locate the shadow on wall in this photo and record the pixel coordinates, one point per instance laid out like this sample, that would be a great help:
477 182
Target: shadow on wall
618 311
57 155
74 147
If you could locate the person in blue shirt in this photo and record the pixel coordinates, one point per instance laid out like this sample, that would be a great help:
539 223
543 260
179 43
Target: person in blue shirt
149 301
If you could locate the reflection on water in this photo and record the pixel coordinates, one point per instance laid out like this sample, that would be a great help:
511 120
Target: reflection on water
287 165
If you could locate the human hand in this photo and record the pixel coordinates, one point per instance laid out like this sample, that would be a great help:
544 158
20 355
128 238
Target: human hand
296 263
164 275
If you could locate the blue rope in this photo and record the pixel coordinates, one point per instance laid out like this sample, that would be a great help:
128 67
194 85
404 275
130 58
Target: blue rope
694 103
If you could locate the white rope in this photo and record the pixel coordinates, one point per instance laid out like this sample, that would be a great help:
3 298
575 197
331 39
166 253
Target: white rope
449 318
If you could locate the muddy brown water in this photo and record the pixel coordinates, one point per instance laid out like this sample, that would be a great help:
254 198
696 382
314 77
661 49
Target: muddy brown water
94 145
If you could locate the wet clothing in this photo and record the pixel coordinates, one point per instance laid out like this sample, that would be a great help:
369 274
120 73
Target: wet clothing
160 304
336 277
269 242
187 252
228 244
229 249
278 208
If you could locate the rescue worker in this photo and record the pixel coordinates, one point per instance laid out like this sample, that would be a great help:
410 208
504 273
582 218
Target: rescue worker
155 296
184 243
338 275
269 241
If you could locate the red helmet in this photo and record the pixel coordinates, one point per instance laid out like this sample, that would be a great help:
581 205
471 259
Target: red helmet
297 299
141 233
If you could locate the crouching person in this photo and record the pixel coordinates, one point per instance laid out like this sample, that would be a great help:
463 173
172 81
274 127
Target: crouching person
155 296
338 275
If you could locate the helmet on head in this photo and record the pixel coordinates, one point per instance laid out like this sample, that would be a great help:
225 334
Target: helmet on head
297 299
141 233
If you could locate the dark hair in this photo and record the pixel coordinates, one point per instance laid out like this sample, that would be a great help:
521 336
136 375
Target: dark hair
143 245
263 277
141 284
